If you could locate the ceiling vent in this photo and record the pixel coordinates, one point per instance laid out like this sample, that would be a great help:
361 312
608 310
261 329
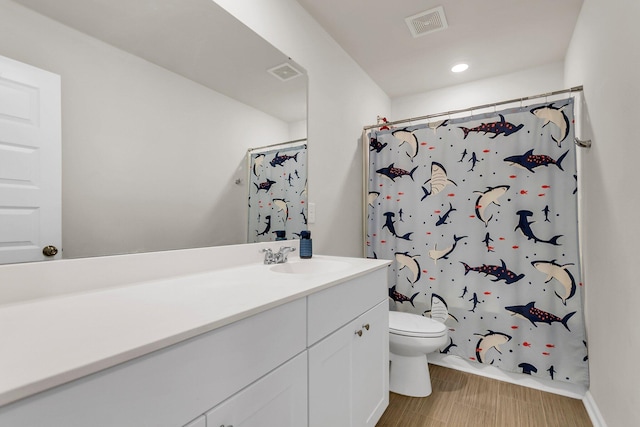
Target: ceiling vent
427 22
284 72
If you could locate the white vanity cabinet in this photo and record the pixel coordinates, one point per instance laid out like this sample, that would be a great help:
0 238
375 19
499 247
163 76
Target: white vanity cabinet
279 399
317 355
201 421
349 367
174 385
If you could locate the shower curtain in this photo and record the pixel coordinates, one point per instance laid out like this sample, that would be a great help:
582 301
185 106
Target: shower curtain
480 215
277 192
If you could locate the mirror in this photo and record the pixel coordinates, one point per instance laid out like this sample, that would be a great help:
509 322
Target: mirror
161 99
277 194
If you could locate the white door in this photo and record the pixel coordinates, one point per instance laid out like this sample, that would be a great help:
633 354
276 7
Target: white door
30 162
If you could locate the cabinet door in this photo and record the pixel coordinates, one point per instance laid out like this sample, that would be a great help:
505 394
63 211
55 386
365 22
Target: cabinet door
330 385
277 399
371 366
349 373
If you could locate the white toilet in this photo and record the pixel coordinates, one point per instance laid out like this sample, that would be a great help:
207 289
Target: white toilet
411 338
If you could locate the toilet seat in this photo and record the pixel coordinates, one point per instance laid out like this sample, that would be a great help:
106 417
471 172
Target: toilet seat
414 325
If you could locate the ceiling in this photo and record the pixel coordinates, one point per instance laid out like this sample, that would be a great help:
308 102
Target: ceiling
494 37
184 36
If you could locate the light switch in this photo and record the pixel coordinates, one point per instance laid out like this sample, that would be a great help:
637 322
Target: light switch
311 214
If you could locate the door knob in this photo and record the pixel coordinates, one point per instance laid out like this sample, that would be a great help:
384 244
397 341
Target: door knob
50 250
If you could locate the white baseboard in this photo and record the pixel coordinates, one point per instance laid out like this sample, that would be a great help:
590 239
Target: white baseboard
593 411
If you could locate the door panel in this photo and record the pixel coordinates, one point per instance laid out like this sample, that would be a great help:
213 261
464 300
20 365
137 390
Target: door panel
30 162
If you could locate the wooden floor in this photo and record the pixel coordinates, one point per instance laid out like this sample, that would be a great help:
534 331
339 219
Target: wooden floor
462 399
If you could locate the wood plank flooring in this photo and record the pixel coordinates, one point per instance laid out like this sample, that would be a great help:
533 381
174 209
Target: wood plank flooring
463 399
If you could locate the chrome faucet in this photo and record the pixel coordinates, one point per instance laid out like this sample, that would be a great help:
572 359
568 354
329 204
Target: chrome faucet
279 257
282 254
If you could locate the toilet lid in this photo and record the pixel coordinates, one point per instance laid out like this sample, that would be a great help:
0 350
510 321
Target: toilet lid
414 325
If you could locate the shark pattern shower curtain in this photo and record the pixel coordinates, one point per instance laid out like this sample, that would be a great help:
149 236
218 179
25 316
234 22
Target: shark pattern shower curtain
480 214
277 192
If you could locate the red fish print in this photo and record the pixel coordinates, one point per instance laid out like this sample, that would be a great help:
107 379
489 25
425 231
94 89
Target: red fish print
514 327
526 344
550 346
523 192
544 353
487 293
513 176
541 195
451 194
545 186
486 151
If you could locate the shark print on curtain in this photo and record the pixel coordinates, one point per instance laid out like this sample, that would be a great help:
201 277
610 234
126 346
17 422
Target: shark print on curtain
481 214
277 192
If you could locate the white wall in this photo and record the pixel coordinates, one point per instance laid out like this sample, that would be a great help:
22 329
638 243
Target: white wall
149 158
604 56
524 83
342 99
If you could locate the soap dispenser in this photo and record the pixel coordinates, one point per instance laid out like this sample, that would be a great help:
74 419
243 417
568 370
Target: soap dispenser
281 235
306 248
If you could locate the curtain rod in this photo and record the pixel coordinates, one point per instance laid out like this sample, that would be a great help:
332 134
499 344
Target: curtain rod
278 144
477 107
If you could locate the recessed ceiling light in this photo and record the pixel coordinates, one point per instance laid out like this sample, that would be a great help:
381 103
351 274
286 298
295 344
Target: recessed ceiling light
459 68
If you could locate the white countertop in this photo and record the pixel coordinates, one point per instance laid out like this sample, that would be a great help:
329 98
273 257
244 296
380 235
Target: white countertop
48 342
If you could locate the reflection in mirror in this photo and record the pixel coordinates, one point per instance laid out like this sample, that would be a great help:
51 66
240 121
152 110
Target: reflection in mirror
161 100
277 191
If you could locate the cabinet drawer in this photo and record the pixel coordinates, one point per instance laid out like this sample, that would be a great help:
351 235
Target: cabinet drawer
332 308
171 386
278 399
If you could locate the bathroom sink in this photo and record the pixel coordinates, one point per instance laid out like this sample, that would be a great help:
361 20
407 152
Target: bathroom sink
309 266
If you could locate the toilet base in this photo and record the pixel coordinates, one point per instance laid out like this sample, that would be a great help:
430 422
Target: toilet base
409 376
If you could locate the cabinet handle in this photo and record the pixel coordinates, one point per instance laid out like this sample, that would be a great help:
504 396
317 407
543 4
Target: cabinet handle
366 326
359 332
